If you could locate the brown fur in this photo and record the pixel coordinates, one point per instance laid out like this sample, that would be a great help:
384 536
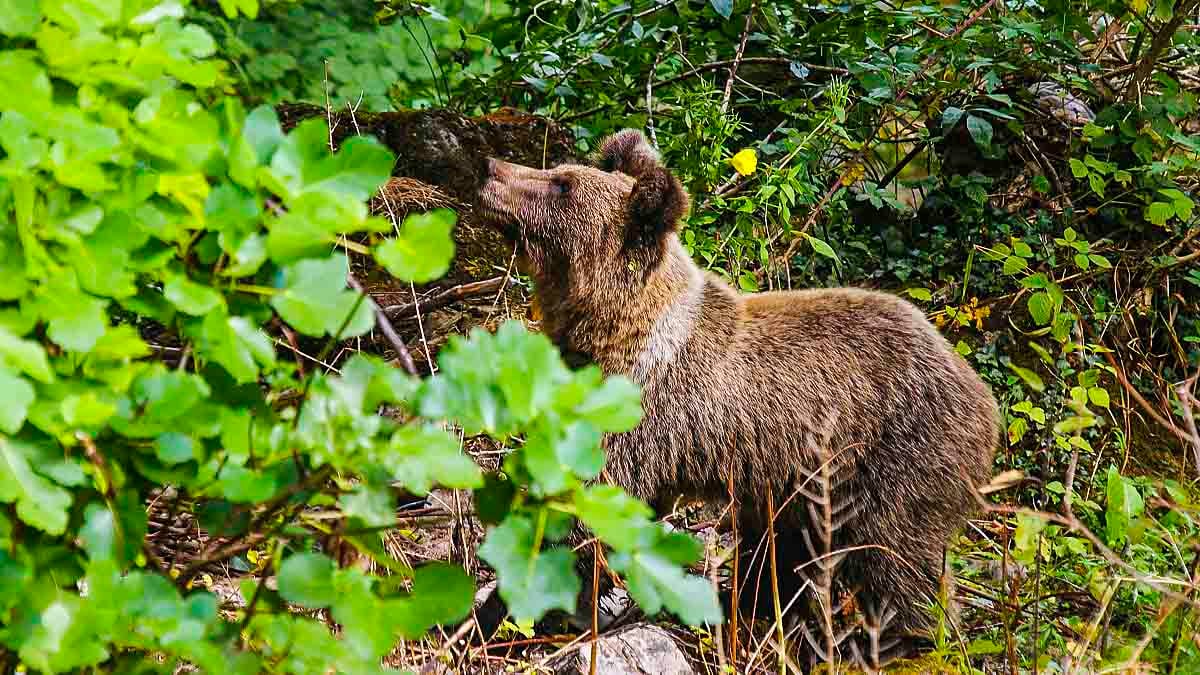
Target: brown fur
763 385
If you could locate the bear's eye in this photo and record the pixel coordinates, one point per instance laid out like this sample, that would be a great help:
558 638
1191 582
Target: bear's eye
562 186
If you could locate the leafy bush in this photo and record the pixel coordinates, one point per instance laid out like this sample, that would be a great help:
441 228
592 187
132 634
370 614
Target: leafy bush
137 202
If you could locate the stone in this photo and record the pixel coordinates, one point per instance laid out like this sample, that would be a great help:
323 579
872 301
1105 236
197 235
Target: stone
639 649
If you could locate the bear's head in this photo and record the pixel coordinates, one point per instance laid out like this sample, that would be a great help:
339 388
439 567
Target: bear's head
615 216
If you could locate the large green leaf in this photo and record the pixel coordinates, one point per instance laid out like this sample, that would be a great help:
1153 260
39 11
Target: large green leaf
314 299
307 579
15 396
423 248
25 355
420 456
39 502
532 582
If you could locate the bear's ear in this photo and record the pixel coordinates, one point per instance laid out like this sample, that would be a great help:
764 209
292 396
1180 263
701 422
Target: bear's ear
656 205
629 152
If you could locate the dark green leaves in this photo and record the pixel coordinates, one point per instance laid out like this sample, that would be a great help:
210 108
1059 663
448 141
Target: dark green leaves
441 594
980 130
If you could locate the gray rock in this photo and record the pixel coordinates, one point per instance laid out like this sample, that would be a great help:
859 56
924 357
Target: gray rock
640 649
1053 99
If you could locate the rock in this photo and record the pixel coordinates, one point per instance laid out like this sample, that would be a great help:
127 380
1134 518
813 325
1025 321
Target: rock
640 649
1055 100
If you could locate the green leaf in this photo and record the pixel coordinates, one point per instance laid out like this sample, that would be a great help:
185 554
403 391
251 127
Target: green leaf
531 582
360 166
1160 212
981 131
1078 168
190 297
422 250
263 133
919 294
442 594
656 581
1031 378
420 456
25 83
614 516
1041 308
722 7
316 302
80 329
25 355
821 247
1074 423
15 396
951 116
370 504
242 485
175 448
99 532
1099 261
236 345
20 18
1124 505
1022 249
40 503
1098 396
307 579
1014 264
1016 430
614 407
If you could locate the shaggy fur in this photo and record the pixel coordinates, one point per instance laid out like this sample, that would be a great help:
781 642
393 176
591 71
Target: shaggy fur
761 385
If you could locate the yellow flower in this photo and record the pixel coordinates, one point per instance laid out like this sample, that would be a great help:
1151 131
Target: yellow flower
854 173
744 162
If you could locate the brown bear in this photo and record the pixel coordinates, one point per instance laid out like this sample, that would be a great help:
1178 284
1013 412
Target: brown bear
768 388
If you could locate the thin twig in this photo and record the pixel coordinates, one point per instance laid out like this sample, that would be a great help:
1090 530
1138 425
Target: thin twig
389 331
1189 404
650 100
737 58
595 606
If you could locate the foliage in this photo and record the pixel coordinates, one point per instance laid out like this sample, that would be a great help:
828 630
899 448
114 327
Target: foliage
135 201
935 149
1004 165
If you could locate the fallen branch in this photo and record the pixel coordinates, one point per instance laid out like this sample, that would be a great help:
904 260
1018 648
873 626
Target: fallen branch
388 329
446 297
